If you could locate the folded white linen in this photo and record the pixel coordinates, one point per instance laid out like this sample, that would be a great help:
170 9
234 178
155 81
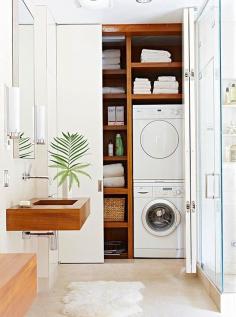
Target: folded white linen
142 87
166 78
165 91
141 92
110 66
111 61
157 52
114 181
166 84
113 90
111 53
113 170
142 83
141 79
156 60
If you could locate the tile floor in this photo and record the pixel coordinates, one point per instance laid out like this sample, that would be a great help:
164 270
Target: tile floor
168 292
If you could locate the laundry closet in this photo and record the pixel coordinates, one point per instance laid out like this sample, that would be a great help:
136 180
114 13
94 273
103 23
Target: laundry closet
97 92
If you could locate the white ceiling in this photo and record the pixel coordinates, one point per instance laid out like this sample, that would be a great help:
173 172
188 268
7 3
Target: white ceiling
122 11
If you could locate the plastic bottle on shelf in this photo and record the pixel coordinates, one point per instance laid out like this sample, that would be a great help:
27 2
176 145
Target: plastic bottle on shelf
233 93
227 96
227 154
119 145
110 148
233 153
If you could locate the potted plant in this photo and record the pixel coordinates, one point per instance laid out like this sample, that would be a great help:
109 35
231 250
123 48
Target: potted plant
66 154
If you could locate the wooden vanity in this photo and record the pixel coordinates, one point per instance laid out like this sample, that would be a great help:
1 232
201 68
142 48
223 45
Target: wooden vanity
49 214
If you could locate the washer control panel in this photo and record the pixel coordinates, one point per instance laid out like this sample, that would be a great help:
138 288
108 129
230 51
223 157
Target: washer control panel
168 191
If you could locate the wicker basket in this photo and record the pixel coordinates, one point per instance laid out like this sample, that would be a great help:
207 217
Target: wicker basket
114 209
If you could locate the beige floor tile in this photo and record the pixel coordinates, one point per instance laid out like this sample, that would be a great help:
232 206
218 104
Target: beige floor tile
168 292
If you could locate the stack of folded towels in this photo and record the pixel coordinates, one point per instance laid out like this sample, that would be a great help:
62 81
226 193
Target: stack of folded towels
155 56
166 85
142 86
113 175
111 59
113 90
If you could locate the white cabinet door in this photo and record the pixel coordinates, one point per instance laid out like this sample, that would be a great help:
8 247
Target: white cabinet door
79 109
190 140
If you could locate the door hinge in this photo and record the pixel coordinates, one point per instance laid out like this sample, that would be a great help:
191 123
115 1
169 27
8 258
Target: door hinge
200 75
188 206
189 74
193 207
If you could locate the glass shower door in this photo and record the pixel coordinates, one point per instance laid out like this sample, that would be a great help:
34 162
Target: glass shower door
209 142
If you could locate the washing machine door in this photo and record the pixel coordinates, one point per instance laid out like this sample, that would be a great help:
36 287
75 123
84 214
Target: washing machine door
159 139
160 217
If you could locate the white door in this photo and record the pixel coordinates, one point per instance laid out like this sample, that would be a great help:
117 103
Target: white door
190 140
79 109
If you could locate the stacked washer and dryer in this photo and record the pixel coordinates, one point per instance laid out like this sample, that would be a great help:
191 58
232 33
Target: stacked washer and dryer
159 218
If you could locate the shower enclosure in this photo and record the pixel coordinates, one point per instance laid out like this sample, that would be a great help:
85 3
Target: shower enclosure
216 142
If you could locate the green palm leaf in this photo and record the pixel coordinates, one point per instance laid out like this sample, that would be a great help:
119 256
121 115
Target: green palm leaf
25 147
65 155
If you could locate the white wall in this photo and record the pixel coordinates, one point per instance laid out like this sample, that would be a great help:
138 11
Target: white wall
9 242
79 109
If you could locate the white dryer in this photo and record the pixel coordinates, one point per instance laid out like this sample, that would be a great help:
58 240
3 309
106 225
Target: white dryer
158 142
159 220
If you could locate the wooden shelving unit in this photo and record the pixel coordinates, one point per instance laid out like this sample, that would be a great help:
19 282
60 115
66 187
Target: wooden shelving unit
115 127
157 97
136 37
157 66
114 158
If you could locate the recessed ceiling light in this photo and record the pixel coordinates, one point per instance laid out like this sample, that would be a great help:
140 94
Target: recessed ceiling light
143 1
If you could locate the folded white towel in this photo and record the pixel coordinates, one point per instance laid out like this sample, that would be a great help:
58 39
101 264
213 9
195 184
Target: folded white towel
156 60
113 170
166 84
142 87
166 78
157 52
141 79
113 90
110 66
114 181
142 83
142 92
165 91
111 53
111 61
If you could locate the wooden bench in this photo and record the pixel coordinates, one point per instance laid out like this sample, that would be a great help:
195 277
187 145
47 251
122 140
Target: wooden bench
18 283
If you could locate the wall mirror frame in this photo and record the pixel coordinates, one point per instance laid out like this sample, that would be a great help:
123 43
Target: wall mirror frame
23 76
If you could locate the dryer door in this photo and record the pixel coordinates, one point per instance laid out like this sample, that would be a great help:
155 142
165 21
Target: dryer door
160 217
159 139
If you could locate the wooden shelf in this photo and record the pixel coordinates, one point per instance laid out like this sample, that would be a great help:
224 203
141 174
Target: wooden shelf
155 66
115 127
114 96
157 97
114 256
114 72
115 158
115 190
115 224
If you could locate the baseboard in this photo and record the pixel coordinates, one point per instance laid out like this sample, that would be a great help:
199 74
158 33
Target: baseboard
225 302
212 291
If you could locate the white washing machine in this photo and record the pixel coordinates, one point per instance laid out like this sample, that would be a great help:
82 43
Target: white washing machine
158 142
159 220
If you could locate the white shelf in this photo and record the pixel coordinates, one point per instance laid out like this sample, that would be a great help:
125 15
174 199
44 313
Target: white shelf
229 135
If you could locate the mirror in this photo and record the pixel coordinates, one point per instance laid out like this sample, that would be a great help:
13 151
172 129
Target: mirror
24 77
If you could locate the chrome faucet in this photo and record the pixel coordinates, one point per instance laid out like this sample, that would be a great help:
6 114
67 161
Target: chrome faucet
27 176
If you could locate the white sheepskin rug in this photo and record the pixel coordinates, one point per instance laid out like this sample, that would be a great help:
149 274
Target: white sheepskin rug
103 299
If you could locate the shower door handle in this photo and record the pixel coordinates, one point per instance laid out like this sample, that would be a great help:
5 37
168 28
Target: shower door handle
212 190
188 206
